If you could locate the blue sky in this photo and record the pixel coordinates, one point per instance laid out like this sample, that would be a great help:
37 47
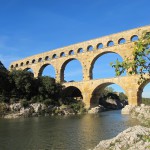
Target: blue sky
28 27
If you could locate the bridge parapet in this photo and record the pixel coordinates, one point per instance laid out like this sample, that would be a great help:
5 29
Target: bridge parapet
87 46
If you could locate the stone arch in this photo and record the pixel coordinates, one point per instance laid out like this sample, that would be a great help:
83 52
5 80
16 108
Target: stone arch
110 43
98 91
121 41
140 90
71 52
54 56
64 66
62 54
46 58
30 70
72 92
90 48
43 67
16 65
21 64
27 63
80 50
99 46
12 66
94 60
33 61
134 38
40 60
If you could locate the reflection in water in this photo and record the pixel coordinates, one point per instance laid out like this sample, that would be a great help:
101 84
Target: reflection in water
61 133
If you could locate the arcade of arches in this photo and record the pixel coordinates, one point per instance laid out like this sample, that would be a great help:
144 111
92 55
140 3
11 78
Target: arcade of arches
87 53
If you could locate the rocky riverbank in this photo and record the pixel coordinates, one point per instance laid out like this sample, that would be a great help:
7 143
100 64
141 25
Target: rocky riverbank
133 138
16 110
142 113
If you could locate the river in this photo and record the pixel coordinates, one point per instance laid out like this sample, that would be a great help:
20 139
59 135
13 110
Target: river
79 132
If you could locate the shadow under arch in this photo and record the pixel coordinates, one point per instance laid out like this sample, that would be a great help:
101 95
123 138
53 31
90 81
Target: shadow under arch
43 67
97 57
140 91
72 92
62 71
98 92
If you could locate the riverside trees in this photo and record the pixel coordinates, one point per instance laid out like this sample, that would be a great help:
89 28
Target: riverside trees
18 85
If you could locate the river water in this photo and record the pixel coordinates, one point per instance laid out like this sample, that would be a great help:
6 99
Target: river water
61 133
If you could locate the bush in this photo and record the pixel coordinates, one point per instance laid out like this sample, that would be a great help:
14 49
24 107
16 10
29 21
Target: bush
3 108
146 101
47 102
4 99
24 103
78 107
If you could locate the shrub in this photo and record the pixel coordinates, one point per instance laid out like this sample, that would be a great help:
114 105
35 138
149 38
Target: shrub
24 103
47 102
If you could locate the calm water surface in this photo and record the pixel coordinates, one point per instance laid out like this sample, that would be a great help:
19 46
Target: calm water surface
61 133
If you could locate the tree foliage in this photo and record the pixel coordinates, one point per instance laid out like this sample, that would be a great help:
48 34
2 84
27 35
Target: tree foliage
21 85
139 61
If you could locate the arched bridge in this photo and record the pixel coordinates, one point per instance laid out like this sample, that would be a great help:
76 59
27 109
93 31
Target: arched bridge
87 53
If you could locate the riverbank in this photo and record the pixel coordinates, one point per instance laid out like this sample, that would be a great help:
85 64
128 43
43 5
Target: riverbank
16 110
133 138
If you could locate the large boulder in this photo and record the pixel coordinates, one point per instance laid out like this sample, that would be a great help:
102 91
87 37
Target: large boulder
96 110
127 109
113 103
15 107
26 112
38 107
133 138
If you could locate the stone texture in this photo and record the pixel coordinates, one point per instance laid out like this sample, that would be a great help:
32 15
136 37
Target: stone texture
96 110
87 59
133 138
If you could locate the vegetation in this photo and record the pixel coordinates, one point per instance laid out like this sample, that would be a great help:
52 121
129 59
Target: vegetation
146 101
139 62
21 86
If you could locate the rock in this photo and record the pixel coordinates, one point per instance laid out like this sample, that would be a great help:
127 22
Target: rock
26 112
36 107
111 103
15 107
127 109
12 116
96 109
133 138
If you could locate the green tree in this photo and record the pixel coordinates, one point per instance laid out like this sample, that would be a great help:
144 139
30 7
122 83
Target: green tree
49 89
5 85
139 62
23 84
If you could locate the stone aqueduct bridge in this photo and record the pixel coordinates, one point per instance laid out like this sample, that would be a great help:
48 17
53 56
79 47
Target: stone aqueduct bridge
87 53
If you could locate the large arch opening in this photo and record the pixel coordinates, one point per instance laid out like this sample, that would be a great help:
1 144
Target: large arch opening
71 71
47 70
109 95
101 68
71 94
143 93
29 70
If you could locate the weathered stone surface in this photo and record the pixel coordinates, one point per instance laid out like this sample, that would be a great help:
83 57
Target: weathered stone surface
37 107
133 138
127 109
15 107
87 59
96 110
